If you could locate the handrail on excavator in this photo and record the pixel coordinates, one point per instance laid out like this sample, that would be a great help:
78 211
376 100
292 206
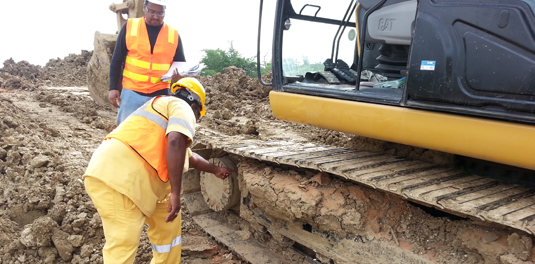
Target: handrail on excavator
259 72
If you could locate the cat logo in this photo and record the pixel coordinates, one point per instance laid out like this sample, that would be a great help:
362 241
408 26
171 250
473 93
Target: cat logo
385 24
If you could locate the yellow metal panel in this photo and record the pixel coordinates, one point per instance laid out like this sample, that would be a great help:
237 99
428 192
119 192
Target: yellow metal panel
502 142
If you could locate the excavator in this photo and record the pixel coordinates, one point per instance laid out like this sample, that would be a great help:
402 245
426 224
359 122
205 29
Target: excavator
450 76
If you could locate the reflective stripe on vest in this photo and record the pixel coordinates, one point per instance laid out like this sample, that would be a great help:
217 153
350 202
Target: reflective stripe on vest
167 248
146 65
181 122
143 69
142 78
163 122
135 26
152 117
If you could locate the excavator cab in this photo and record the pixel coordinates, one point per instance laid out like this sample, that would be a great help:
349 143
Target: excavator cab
471 58
332 29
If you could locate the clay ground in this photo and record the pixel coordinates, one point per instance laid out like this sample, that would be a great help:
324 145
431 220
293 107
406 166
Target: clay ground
49 127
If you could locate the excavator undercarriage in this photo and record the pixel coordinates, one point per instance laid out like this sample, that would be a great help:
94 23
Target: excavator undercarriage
301 202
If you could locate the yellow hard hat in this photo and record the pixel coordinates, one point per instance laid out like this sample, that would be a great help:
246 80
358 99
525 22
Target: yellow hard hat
194 86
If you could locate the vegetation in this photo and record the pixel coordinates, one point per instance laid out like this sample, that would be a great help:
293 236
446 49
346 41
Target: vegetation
217 60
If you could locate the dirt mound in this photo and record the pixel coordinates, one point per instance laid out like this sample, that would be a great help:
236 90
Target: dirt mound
19 75
234 102
69 71
21 69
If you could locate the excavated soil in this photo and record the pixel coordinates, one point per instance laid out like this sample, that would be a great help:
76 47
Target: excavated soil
49 127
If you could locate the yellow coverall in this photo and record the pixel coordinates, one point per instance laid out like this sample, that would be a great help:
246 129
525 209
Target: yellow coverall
127 193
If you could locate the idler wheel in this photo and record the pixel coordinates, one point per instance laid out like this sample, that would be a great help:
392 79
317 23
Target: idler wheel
220 194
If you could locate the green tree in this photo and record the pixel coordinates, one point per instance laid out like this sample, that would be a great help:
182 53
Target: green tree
217 60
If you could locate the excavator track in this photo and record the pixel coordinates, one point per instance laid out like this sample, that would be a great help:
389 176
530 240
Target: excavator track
486 200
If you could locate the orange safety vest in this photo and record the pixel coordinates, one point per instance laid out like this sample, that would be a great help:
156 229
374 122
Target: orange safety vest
144 131
143 70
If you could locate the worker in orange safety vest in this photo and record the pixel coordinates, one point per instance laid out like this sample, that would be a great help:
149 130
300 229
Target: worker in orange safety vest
147 47
135 176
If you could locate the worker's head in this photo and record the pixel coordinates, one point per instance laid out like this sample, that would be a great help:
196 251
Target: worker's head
154 12
191 90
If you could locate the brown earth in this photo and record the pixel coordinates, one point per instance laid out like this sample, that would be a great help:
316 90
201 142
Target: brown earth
49 128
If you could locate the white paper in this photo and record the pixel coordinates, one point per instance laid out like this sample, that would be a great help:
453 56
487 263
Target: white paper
185 69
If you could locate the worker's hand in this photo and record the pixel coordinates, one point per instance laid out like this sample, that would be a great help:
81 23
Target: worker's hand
174 207
115 97
176 76
222 172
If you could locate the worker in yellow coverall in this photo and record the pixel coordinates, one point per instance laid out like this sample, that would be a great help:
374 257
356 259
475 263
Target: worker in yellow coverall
135 175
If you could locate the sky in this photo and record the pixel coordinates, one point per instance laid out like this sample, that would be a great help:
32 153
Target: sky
37 31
